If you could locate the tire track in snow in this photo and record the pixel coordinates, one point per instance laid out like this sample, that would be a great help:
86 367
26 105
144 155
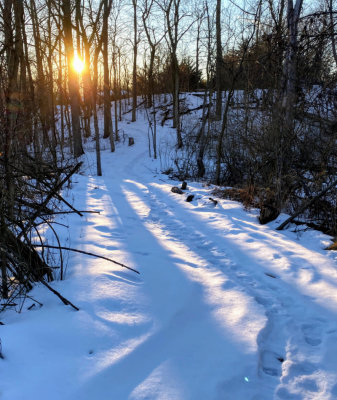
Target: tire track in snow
292 338
284 335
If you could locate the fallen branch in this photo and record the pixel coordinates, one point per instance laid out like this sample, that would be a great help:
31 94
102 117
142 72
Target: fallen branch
68 204
59 295
86 253
189 110
69 212
138 105
305 206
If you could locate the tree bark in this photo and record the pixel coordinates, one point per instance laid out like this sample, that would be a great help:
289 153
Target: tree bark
332 32
94 106
218 71
286 115
107 96
172 30
72 80
134 71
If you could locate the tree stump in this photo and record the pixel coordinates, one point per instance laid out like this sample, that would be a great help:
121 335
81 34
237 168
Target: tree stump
268 213
131 141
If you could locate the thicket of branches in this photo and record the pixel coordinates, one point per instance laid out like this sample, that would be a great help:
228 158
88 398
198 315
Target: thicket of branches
275 138
266 74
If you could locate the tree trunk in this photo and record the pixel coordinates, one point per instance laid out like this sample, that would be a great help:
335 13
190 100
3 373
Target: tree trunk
72 80
151 78
218 71
51 86
134 72
107 97
42 94
114 66
332 32
94 107
175 80
286 114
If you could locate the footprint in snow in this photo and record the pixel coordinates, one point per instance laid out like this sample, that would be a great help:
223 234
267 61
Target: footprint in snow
307 381
271 363
264 301
312 333
246 279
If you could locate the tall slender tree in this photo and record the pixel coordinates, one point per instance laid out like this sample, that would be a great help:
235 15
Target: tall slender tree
108 132
73 83
134 68
218 61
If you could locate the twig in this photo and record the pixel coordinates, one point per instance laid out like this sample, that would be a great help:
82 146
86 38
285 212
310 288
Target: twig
63 299
87 253
36 301
59 243
51 194
69 212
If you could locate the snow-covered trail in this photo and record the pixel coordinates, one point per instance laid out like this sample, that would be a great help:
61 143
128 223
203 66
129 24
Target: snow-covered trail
223 308
231 305
184 350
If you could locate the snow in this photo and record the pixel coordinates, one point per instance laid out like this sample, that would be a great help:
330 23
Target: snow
223 307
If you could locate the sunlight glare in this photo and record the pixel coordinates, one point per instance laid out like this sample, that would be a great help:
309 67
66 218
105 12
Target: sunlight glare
78 64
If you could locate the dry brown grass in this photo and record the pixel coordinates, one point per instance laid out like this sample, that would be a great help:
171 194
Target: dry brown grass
333 246
247 196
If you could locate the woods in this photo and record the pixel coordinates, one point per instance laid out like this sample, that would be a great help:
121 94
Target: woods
266 73
168 199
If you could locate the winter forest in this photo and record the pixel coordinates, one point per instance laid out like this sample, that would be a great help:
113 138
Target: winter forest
168 199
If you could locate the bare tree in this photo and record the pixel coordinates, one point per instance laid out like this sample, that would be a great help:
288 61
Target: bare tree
87 40
108 132
332 29
200 15
219 147
175 31
286 114
134 68
201 138
219 61
72 79
153 42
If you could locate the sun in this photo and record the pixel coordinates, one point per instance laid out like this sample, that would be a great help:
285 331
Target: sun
78 64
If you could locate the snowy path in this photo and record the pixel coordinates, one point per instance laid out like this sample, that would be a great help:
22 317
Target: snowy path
223 308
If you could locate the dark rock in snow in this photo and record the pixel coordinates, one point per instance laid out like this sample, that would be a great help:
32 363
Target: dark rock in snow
190 197
184 185
131 141
175 189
